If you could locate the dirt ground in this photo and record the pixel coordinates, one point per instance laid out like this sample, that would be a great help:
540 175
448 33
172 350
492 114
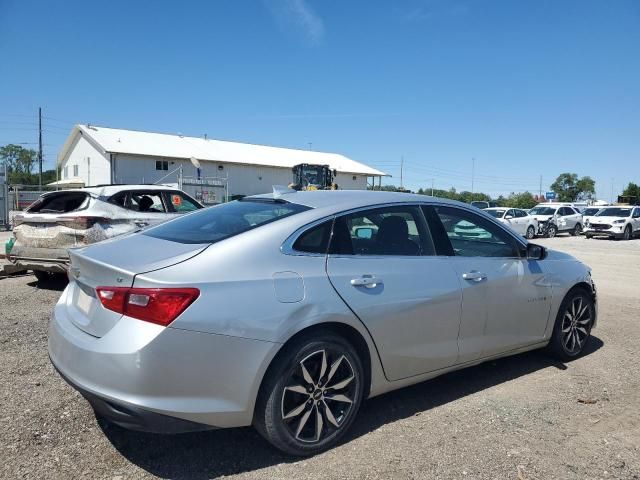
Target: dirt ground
525 417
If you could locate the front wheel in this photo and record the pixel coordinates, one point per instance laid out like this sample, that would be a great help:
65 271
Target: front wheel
552 231
310 395
531 232
627 233
573 325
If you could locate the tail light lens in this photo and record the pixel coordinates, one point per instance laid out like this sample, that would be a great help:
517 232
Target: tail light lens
81 223
156 305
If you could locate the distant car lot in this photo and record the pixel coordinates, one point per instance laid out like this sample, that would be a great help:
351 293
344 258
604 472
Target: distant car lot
522 414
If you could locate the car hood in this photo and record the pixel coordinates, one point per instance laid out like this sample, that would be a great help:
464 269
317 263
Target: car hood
556 255
605 219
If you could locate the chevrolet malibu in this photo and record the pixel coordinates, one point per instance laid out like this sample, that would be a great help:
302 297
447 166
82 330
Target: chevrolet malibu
285 311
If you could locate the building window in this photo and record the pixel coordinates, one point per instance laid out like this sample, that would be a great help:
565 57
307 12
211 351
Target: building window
75 170
65 172
162 165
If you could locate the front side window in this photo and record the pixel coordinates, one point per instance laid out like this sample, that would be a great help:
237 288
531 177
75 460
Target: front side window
146 202
636 213
397 230
520 213
471 235
210 225
496 213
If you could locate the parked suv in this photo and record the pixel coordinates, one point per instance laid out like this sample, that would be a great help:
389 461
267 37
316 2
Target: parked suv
75 218
615 222
518 219
554 218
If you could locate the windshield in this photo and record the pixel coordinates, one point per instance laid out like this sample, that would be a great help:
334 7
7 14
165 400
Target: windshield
614 212
542 211
213 224
591 211
496 213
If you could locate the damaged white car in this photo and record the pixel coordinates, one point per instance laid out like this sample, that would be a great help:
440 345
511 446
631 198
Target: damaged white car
67 219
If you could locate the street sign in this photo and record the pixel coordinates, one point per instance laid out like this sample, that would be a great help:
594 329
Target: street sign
550 195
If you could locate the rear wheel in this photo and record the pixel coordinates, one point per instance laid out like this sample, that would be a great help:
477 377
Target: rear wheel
588 235
311 395
577 229
531 232
572 329
552 230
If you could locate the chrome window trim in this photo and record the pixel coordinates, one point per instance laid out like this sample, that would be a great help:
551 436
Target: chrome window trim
287 246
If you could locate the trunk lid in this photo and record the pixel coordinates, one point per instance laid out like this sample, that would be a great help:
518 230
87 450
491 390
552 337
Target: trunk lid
115 263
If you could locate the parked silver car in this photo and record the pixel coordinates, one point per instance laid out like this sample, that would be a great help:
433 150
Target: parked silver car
67 219
287 311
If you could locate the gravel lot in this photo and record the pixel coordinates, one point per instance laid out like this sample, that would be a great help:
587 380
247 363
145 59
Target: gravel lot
525 417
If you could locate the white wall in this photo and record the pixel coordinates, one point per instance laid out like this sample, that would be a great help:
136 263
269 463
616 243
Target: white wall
93 165
243 179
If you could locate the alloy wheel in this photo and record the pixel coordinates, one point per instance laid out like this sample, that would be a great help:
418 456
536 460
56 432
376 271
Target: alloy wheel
551 232
319 396
576 325
531 233
627 233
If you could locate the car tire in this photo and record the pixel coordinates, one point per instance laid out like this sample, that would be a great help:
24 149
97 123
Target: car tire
588 235
531 233
552 231
296 411
576 230
627 233
572 329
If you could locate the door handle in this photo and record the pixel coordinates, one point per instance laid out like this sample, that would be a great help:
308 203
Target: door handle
367 281
475 276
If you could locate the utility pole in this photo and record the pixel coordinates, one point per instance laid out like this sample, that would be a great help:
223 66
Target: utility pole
432 180
40 148
401 167
473 173
611 200
310 143
540 195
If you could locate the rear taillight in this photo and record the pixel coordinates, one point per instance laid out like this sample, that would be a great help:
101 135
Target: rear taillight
156 305
81 223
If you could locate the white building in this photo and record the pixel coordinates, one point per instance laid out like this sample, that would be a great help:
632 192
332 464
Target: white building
97 155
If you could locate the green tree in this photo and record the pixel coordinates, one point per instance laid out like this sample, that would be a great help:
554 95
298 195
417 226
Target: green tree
570 187
523 200
632 190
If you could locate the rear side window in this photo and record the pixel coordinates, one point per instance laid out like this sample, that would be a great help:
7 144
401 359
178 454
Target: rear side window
210 225
315 240
63 202
382 231
150 202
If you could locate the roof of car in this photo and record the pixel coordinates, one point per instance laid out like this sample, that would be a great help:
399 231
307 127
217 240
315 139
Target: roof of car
108 190
346 199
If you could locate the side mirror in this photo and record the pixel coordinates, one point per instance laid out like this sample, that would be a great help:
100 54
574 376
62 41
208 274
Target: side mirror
536 252
508 217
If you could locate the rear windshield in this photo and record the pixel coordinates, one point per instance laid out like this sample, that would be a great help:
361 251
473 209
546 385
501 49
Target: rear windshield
63 202
213 224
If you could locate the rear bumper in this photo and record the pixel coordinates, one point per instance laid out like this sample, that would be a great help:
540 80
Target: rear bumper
43 259
138 373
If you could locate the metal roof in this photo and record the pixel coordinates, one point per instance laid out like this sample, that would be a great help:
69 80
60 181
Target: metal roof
113 140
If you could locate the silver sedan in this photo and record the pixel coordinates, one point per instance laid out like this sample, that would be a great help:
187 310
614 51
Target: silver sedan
286 311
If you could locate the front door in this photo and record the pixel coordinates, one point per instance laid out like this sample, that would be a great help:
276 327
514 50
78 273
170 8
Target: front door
382 263
506 298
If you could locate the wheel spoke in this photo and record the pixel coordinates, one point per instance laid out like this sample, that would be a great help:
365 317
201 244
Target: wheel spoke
297 389
319 424
306 374
296 411
565 330
578 309
334 367
329 414
323 366
303 422
340 385
582 330
339 398
585 321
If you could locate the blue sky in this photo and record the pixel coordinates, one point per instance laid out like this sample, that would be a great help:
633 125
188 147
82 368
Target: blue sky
527 88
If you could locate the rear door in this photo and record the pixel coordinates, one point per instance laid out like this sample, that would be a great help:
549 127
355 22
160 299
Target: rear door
382 263
506 298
